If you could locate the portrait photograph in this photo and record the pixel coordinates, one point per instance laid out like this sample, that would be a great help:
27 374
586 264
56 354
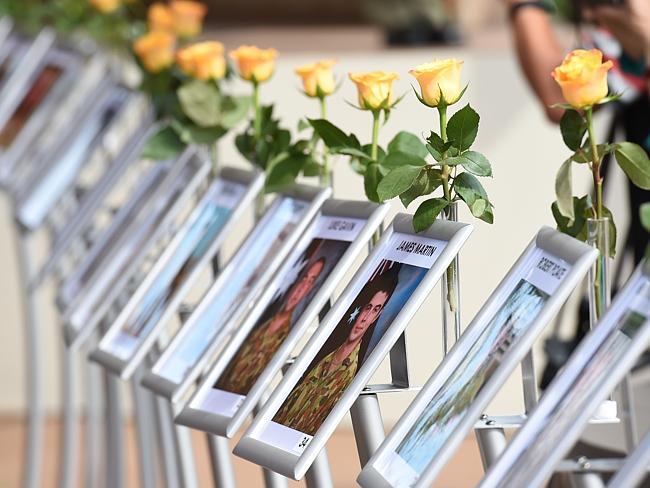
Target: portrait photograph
293 295
351 342
449 404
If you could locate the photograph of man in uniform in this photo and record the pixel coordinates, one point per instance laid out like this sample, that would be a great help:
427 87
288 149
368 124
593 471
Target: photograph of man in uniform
349 345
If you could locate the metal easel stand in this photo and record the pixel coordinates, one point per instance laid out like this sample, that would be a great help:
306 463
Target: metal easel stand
223 473
69 449
271 478
145 411
490 431
635 468
367 422
35 414
95 402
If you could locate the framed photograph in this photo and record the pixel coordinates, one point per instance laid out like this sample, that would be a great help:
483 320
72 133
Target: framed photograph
599 363
28 100
278 319
107 268
352 340
138 326
494 343
12 51
46 187
110 163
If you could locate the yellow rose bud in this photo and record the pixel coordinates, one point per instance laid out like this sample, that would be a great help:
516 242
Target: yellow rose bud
203 60
188 17
439 77
317 78
253 63
160 17
106 6
375 89
155 50
582 76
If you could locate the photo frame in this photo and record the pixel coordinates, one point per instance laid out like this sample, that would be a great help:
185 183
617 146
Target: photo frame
105 271
122 348
385 293
45 187
30 96
12 51
326 251
494 343
598 364
113 165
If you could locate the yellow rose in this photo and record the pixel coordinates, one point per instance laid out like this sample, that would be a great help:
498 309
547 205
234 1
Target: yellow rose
439 77
188 17
582 76
317 78
203 60
160 17
155 50
106 6
375 89
253 63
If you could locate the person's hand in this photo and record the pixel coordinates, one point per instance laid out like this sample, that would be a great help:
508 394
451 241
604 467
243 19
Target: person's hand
629 23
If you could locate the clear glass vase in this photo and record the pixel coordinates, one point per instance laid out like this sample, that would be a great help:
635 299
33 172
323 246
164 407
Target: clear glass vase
450 290
599 275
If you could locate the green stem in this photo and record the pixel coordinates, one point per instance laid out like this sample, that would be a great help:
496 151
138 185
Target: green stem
446 170
257 121
215 159
595 165
375 134
326 176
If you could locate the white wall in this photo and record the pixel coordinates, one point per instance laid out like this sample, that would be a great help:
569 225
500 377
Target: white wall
525 152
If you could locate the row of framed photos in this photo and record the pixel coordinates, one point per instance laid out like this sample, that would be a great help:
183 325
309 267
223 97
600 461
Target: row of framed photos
138 268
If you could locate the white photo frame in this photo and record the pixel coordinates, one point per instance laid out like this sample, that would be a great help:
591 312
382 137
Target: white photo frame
526 299
594 369
121 351
87 294
49 72
423 257
344 225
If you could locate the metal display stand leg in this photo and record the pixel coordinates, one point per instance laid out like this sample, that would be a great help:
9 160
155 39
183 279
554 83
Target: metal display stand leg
319 474
115 473
185 454
223 474
628 414
144 415
491 443
33 458
94 421
70 421
368 425
635 467
167 443
271 478
586 480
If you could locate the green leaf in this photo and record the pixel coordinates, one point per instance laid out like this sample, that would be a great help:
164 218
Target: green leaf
165 144
427 182
427 213
488 215
350 151
200 101
477 164
578 226
332 136
469 188
634 161
283 172
371 180
399 159
303 124
359 165
233 111
644 214
564 191
381 154
462 128
573 127
397 181
407 143
312 168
